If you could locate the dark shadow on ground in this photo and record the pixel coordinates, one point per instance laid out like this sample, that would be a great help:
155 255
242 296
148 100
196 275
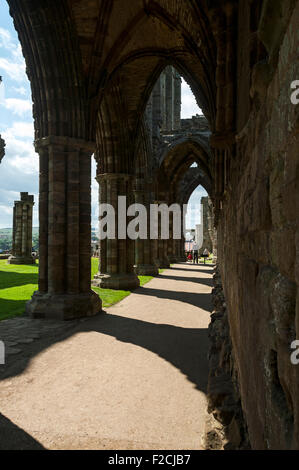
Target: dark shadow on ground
202 300
196 268
14 307
14 438
196 280
185 348
13 279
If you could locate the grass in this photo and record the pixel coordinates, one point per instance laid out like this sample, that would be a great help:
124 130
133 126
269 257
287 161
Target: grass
209 260
18 283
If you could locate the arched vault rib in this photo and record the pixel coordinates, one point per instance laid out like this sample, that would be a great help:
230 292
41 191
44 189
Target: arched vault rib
176 162
191 180
178 24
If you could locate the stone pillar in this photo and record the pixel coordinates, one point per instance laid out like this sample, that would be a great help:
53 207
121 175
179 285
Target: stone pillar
64 231
169 98
162 97
180 244
161 251
157 116
207 241
144 250
177 100
161 246
22 231
171 251
212 230
116 269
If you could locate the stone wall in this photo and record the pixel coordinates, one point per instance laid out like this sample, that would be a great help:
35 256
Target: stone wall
258 249
207 241
224 400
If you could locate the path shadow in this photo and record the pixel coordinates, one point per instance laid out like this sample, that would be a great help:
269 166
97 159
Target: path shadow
197 270
196 280
184 348
14 438
201 300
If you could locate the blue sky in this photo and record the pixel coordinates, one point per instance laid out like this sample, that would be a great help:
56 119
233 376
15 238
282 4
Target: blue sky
19 167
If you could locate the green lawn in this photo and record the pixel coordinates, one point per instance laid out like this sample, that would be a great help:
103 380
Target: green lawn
18 282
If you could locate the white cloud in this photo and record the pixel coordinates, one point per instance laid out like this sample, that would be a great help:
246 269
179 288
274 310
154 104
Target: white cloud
6 39
6 215
15 70
28 163
20 129
6 209
21 90
19 150
189 105
15 66
19 167
18 106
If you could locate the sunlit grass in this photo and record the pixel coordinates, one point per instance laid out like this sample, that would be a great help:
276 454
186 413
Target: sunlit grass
19 282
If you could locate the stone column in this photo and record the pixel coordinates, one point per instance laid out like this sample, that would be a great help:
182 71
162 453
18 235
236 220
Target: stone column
177 100
171 252
64 231
162 97
207 241
144 250
116 269
22 231
180 244
161 245
169 98
182 255
212 230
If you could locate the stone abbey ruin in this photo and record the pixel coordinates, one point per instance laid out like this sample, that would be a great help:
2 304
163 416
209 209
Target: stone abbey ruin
106 81
22 231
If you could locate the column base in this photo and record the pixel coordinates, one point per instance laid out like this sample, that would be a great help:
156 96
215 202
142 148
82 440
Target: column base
181 259
172 259
63 306
146 270
162 263
20 260
118 281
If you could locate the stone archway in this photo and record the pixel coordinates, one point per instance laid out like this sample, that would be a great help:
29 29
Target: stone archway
92 71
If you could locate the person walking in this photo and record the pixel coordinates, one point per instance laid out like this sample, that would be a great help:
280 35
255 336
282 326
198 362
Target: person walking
195 253
205 255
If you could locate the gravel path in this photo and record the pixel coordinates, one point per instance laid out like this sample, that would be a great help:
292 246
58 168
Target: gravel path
133 377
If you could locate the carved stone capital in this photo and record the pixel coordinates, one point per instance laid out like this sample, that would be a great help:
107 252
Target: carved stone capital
64 141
